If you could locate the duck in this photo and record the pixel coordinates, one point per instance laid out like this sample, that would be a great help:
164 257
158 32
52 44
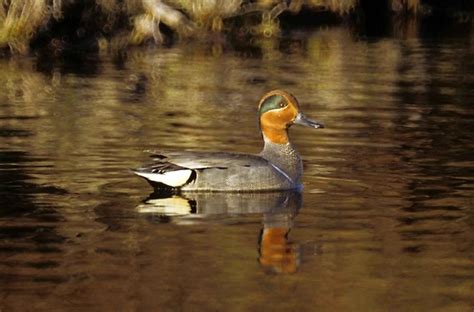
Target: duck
278 167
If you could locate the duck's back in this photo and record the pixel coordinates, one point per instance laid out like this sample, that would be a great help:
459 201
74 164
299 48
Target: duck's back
202 171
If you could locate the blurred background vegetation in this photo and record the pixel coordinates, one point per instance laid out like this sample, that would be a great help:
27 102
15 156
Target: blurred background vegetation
56 25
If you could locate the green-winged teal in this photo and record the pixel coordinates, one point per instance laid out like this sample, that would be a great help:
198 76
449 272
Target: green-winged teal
277 167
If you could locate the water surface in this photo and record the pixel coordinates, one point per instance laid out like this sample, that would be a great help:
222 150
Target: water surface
385 221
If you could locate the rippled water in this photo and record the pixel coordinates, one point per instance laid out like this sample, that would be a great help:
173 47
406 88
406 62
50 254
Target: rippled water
385 221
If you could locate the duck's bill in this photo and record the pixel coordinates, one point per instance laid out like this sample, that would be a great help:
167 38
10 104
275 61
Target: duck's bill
304 121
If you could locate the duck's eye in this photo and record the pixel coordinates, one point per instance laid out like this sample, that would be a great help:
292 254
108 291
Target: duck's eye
281 104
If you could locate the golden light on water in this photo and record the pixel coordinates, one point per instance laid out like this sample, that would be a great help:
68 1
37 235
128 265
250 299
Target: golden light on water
385 218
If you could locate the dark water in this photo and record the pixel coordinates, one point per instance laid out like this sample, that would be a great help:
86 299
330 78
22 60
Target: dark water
385 221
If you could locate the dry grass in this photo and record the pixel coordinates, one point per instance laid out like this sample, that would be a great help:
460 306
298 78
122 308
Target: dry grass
20 20
406 5
339 6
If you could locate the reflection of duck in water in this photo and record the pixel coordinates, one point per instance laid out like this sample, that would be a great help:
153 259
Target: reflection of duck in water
277 167
278 209
190 204
276 251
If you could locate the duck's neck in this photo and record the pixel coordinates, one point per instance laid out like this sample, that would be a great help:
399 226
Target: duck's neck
284 156
274 134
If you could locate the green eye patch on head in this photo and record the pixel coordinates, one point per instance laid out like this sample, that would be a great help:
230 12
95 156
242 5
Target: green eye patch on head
272 102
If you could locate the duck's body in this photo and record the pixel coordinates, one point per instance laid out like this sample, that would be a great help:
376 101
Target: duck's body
234 172
277 167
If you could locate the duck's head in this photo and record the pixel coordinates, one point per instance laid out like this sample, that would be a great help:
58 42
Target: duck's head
277 111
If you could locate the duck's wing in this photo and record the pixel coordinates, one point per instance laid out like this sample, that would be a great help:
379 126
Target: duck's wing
202 160
176 169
